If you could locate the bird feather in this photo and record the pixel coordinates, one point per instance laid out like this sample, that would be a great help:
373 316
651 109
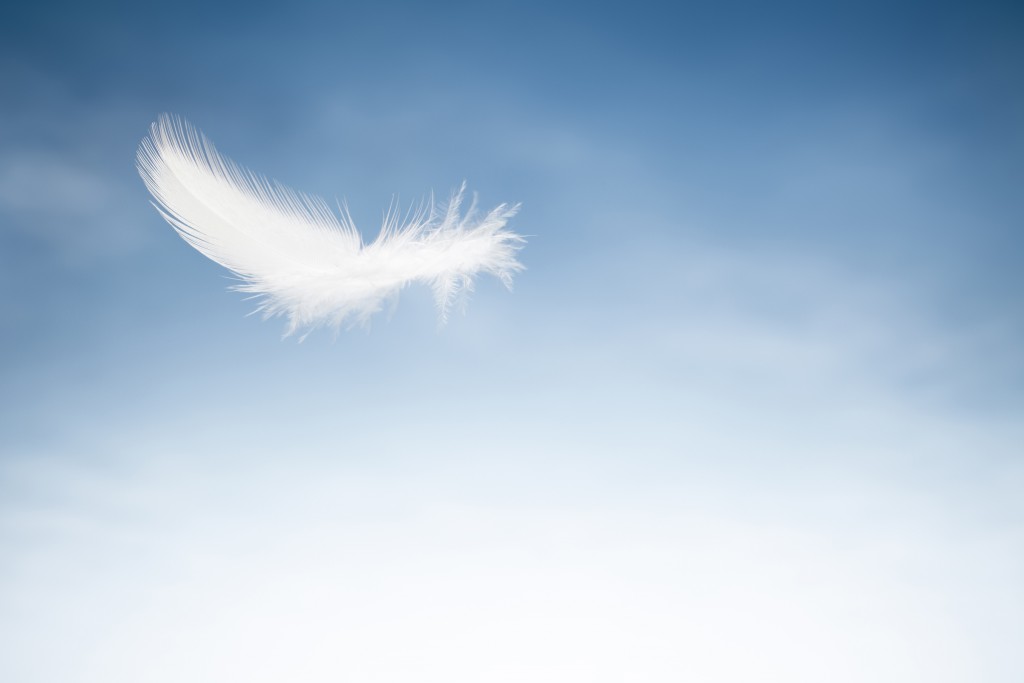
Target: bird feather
301 259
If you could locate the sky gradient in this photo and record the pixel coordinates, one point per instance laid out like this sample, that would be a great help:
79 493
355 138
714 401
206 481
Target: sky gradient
753 411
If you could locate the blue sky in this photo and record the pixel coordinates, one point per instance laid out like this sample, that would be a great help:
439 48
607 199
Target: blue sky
752 411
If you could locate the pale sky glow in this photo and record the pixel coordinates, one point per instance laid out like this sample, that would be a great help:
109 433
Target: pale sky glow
751 413
476 567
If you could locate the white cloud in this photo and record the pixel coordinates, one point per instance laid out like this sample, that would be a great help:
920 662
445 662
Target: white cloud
44 183
69 182
185 570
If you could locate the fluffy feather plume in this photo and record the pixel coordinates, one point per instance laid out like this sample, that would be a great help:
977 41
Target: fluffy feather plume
300 258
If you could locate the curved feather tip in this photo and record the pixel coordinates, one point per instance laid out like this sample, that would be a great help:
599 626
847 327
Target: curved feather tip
300 258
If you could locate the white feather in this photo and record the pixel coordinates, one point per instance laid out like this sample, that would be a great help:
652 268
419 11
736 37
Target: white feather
302 259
